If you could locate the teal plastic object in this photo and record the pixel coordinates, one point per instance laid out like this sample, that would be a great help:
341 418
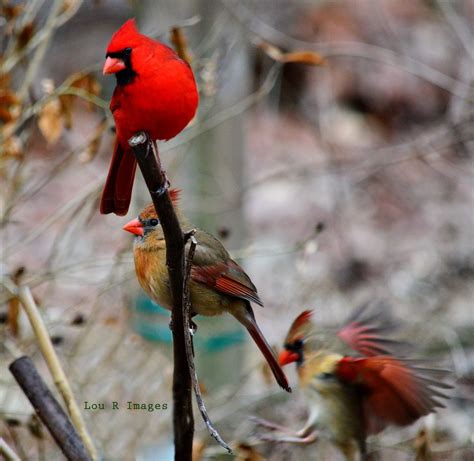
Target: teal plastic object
214 334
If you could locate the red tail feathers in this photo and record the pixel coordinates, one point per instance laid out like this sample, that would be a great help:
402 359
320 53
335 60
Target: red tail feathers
117 192
267 352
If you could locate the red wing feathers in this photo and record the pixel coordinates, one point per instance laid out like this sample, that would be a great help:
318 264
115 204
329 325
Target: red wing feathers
300 327
228 278
393 392
301 320
364 331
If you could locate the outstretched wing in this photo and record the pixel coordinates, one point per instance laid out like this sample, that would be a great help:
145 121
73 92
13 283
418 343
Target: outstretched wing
393 392
365 329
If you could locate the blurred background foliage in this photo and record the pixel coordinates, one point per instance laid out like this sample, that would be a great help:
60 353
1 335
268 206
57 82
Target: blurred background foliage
331 185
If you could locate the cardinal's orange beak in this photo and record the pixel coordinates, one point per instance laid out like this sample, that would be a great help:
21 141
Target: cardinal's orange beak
113 65
287 357
134 226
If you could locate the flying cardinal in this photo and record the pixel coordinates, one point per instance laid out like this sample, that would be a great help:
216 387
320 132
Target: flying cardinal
352 396
155 92
217 284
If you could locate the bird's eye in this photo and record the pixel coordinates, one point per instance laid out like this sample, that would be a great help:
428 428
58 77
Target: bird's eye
127 50
154 222
298 344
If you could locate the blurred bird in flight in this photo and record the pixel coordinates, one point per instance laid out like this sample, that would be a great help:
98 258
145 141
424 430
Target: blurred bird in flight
350 397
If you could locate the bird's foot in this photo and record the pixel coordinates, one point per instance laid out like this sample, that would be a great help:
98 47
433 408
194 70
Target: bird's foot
270 425
310 438
286 435
137 139
163 189
192 328
187 235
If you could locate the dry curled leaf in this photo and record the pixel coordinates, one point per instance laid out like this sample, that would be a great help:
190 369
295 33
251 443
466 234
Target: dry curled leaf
25 35
68 4
35 427
50 117
8 97
50 121
13 310
82 81
13 317
5 115
9 101
310 58
178 39
67 103
246 452
5 80
10 11
203 388
421 445
12 147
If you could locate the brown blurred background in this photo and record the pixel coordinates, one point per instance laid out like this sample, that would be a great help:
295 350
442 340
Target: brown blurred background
331 185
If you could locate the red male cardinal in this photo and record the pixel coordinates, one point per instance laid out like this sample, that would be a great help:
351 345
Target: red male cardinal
155 92
351 397
217 284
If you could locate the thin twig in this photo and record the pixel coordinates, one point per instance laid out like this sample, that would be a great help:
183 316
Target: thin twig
90 190
41 50
360 50
7 451
189 343
460 26
54 365
43 34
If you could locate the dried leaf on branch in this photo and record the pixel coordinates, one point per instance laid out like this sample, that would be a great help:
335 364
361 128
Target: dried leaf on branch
50 120
180 44
310 58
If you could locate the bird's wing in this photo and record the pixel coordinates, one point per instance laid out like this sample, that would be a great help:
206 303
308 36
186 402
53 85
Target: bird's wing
393 391
365 328
213 267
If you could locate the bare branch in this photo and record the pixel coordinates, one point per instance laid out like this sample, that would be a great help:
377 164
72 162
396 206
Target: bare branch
48 410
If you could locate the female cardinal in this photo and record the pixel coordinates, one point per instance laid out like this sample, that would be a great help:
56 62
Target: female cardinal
352 397
155 92
217 284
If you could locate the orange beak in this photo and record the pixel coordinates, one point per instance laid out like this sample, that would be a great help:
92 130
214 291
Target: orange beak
134 227
287 357
113 65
